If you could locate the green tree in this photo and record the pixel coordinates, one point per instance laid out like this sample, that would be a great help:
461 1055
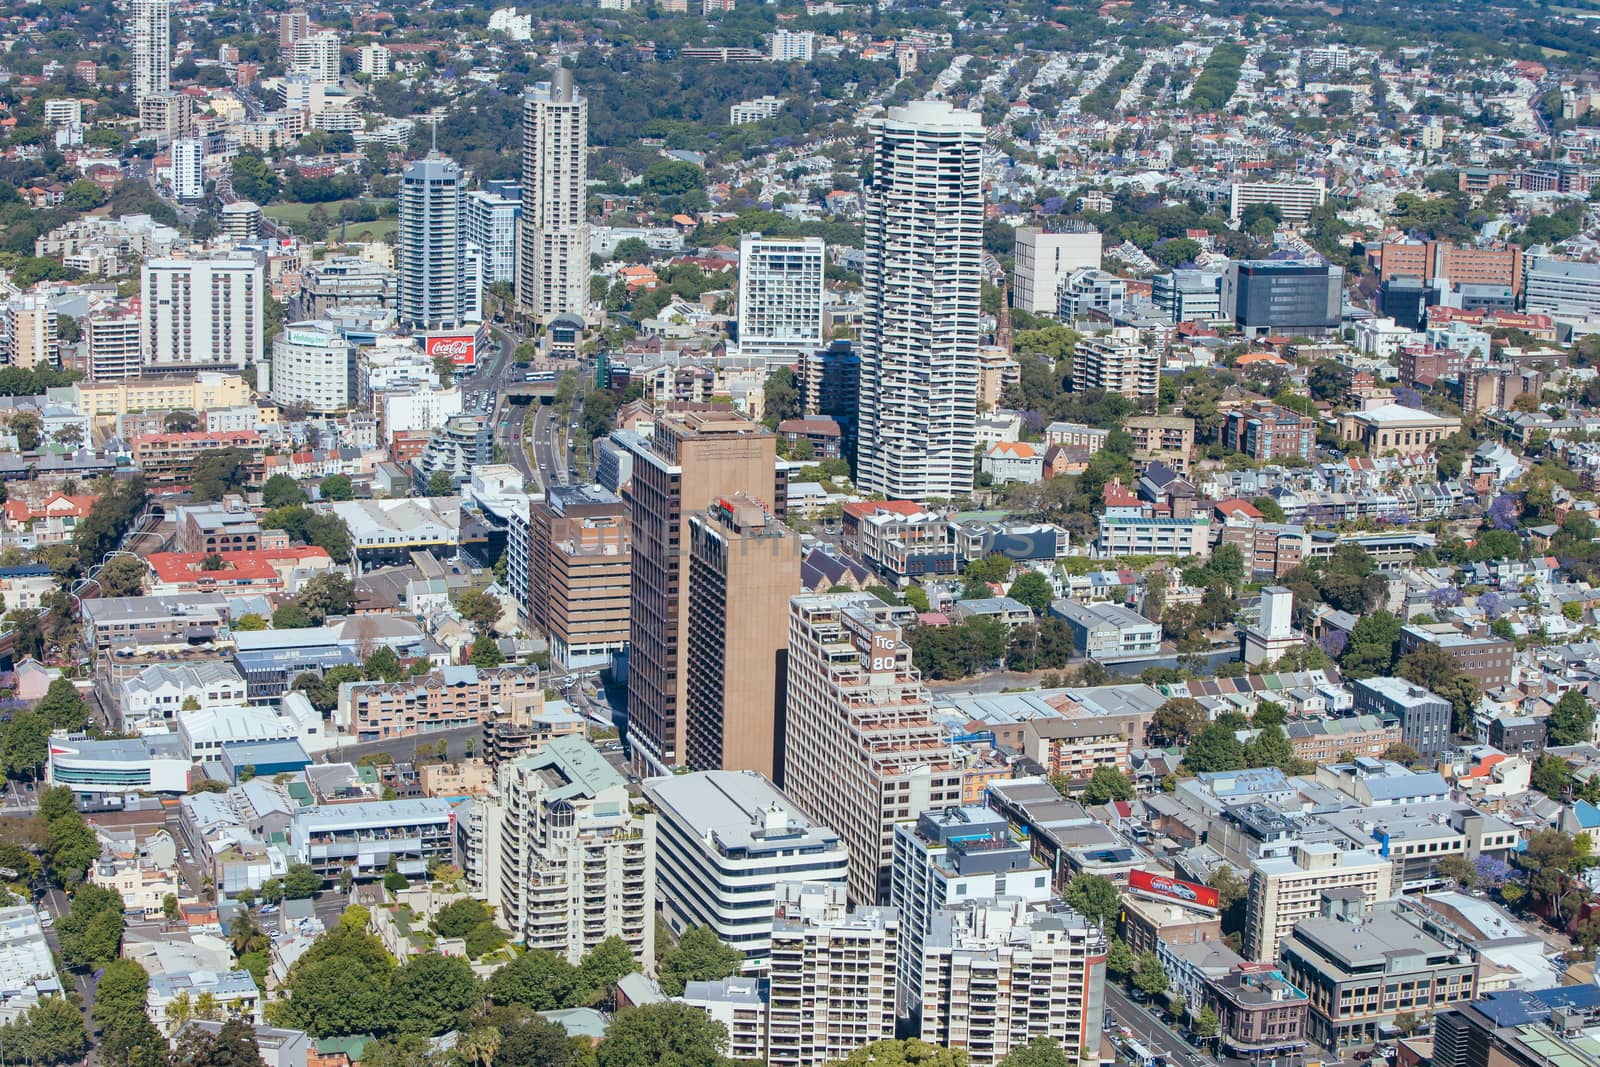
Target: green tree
781 397
1571 721
630 250
70 846
253 178
1177 721
1214 748
1034 590
1372 646
384 665
1205 1024
122 576
1551 776
25 427
1148 975
300 882
337 487
1107 784
50 1033
291 616
1094 897
331 997
1040 1052
699 956
1120 960
1457 869
127 1037
666 1034
26 744
281 491
537 979
250 621
1270 509
90 934
429 993
909 1052
481 608
219 472
1400 752
485 653
1271 748
440 483
327 594
62 706
234 1045
603 966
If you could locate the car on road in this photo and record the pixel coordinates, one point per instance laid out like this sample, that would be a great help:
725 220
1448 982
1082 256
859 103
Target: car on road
1363 1055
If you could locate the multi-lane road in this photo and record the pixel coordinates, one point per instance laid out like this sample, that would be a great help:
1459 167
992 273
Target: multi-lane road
1152 1033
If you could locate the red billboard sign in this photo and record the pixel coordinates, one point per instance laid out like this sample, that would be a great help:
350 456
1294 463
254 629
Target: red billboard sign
1165 886
461 348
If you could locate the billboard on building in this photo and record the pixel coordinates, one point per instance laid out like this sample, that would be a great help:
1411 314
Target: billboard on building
462 348
1163 885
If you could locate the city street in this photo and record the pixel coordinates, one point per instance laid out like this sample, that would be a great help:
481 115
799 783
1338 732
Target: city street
1151 1032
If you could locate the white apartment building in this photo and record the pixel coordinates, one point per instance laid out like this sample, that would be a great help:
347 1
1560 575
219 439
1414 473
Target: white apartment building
313 367
439 281
553 276
1562 287
1045 260
1118 362
28 332
1286 889
63 111
832 978
562 851
375 60
241 220
153 697
423 408
793 46
412 832
746 112
201 312
1295 199
150 39
317 57
188 173
861 748
727 843
780 297
996 975
113 336
491 224
920 322
950 856
740 1005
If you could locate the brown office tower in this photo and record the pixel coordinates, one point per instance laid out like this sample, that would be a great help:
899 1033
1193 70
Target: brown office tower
578 572
744 565
692 461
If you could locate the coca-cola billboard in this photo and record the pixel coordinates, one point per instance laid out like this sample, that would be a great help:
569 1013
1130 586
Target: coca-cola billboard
1163 885
461 348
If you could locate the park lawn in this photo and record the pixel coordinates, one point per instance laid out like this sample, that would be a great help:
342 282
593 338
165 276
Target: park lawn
296 215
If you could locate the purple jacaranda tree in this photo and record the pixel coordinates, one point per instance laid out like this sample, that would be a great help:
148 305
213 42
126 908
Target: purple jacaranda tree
1503 512
1492 872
